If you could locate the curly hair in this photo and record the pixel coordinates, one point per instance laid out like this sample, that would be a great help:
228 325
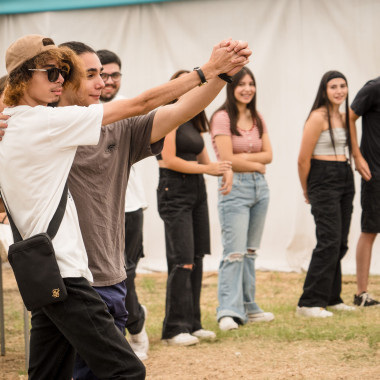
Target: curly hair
19 78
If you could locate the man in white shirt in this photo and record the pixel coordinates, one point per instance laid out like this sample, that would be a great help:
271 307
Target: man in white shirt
35 159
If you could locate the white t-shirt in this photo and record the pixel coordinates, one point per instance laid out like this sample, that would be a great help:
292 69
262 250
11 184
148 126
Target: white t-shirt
135 194
36 155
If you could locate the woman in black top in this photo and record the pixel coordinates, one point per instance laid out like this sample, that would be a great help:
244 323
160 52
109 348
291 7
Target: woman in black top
182 205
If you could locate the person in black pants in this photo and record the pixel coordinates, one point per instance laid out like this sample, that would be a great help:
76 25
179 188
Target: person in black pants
182 205
327 181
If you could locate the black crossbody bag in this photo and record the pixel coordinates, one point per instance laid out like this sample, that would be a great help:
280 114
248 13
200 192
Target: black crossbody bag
34 263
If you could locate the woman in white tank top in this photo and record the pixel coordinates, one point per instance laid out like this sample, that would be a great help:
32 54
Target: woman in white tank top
327 182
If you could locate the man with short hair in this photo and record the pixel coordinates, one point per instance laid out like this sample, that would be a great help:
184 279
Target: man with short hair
367 162
99 176
135 203
111 75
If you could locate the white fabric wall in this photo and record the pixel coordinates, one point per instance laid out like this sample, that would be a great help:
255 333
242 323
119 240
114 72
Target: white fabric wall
293 41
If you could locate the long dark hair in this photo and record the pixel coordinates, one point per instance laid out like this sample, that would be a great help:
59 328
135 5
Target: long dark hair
230 104
321 100
199 121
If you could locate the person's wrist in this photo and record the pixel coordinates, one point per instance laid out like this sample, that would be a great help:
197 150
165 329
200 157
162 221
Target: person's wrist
227 78
209 71
201 75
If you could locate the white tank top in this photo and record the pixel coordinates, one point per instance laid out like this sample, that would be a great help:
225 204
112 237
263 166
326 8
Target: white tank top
324 146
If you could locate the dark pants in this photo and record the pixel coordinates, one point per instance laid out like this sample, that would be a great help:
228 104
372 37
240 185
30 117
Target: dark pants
182 204
114 298
80 323
331 191
133 253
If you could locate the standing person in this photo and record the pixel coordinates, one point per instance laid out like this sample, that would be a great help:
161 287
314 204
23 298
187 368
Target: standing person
56 134
367 162
3 81
101 202
182 205
240 135
328 185
135 203
32 185
5 229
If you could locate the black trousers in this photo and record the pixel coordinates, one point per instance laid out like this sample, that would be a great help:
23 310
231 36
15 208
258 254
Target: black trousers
182 205
80 323
133 253
331 191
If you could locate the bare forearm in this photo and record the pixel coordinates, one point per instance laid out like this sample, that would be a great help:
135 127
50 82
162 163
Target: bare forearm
171 116
150 99
261 157
353 135
242 165
303 173
179 165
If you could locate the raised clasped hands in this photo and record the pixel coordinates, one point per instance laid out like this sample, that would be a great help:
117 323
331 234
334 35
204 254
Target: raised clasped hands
229 56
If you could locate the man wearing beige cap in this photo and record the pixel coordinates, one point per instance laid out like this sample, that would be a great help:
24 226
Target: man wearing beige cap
32 184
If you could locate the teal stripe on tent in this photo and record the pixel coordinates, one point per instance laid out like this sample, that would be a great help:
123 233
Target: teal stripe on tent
28 6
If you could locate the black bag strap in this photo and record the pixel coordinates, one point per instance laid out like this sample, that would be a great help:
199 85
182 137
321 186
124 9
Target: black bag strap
54 223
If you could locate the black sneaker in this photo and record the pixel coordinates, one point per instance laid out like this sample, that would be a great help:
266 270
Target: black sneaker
364 299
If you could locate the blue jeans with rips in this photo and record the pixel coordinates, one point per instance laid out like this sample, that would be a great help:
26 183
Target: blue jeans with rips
242 217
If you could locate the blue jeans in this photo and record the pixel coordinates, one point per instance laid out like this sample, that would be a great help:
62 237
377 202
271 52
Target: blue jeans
242 216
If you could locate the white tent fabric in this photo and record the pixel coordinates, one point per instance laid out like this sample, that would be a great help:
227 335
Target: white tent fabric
293 41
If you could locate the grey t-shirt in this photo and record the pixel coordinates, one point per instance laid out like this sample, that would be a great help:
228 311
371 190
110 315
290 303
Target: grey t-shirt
98 182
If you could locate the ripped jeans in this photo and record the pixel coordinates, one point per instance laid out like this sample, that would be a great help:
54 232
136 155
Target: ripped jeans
182 205
242 217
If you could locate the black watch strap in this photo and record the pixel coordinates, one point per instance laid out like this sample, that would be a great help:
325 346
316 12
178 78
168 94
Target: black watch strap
225 77
201 75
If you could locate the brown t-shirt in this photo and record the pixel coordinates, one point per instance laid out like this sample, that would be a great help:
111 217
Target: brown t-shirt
98 181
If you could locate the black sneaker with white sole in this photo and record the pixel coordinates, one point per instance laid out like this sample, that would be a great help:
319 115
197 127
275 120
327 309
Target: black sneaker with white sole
364 299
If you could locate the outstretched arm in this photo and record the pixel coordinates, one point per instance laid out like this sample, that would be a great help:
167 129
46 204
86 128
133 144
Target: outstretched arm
227 57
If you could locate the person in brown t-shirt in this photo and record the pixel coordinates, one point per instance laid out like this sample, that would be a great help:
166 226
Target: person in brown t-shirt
99 175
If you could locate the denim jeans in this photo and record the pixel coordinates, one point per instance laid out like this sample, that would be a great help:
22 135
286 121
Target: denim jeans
80 323
182 205
330 188
133 253
242 217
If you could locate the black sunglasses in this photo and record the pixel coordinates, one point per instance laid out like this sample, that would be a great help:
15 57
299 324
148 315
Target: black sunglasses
53 73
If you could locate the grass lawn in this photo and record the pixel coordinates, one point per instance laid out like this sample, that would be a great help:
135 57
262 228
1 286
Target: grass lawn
345 346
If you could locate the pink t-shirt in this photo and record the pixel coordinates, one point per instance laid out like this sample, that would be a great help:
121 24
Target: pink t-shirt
248 142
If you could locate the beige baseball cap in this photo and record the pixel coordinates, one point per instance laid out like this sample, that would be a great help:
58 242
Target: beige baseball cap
26 48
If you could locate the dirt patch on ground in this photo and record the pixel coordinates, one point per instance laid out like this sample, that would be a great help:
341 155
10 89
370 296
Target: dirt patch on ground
229 357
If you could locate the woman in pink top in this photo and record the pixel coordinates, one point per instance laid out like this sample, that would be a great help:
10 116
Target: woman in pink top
240 135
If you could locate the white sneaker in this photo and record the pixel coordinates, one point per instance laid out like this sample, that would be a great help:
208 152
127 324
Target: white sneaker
141 355
260 317
313 312
342 307
183 339
140 342
204 334
227 323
